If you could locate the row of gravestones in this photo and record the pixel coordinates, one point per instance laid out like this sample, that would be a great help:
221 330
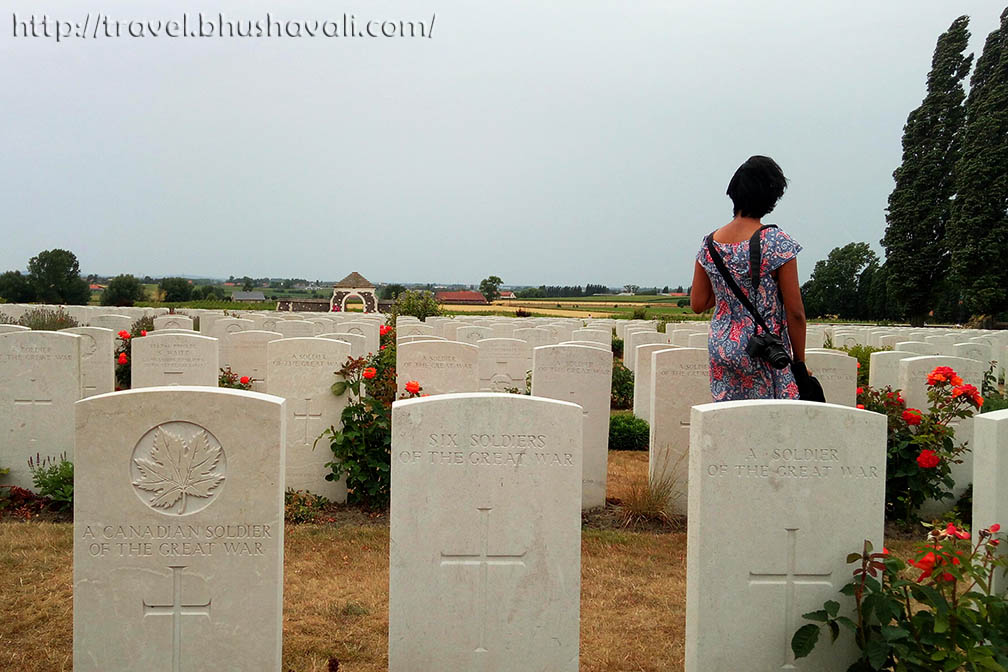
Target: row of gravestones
178 529
42 374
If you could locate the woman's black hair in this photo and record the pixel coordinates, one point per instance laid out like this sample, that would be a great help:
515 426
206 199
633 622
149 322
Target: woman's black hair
756 187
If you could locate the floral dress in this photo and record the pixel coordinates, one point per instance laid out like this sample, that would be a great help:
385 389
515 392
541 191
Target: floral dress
733 375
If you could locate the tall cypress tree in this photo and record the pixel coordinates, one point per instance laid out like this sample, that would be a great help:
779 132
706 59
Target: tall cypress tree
919 205
978 230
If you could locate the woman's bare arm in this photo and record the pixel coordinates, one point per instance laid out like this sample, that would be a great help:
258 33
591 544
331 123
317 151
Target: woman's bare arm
787 280
702 294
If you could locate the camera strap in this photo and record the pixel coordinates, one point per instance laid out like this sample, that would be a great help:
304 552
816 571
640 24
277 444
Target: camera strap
730 281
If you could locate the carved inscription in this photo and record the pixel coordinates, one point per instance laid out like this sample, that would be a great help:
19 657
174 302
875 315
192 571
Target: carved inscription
800 463
488 450
177 541
174 356
306 360
684 370
425 361
24 352
575 367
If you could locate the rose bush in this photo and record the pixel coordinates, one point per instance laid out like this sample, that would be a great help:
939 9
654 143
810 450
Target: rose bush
921 446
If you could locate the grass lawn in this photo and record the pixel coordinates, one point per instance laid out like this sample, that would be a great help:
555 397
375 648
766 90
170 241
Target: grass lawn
633 592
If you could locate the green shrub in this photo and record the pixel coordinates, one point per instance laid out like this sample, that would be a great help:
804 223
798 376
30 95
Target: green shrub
640 313
419 303
123 290
627 432
47 319
301 506
53 479
617 347
622 386
863 354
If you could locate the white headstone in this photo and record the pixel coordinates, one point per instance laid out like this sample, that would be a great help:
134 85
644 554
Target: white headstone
837 372
441 367
245 353
755 467
174 359
230 325
594 335
295 328
884 368
919 347
473 334
368 329
642 378
485 533
503 364
178 531
582 376
173 322
302 371
40 380
7 328
97 360
679 379
116 323
358 343
990 477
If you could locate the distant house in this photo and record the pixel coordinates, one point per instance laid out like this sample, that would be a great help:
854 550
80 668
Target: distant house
507 294
95 287
247 296
463 297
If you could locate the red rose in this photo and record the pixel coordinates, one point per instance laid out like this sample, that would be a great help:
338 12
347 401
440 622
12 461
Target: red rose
383 329
412 386
861 406
926 563
370 372
122 358
860 390
859 365
995 528
928 459
124 334
959 534
143 332
244 380
912 416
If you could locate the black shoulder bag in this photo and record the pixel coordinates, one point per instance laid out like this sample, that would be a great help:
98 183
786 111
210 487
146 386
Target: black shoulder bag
766 346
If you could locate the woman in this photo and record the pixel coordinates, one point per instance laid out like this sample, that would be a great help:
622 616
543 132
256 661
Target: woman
754 190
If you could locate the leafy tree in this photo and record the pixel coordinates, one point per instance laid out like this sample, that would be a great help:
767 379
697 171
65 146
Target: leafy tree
531 293
55 275
835 284
978 229
631 289
209 293
247 284
665 290
122 290
919 205
16 288
490 288
175 289
390 292
419 303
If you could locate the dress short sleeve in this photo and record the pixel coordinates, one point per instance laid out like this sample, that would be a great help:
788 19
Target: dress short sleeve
778 249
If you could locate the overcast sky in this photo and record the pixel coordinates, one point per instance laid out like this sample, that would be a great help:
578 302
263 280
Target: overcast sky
558 142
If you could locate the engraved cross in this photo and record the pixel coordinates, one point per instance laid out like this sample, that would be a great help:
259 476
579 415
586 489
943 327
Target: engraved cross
790 580
177 609
307 416
31 404
483 561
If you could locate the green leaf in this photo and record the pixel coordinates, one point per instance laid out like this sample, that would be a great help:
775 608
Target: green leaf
339 387
877 652
805 640
941 623
892 633
832 608
834 631
819 616
847 623
853 557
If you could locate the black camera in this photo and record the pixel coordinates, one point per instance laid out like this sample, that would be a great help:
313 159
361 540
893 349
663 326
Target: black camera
770 348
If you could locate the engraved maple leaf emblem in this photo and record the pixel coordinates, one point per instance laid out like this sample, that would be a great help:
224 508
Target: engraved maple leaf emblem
177 469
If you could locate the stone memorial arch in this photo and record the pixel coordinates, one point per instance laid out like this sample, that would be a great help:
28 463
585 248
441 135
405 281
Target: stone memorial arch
357 285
